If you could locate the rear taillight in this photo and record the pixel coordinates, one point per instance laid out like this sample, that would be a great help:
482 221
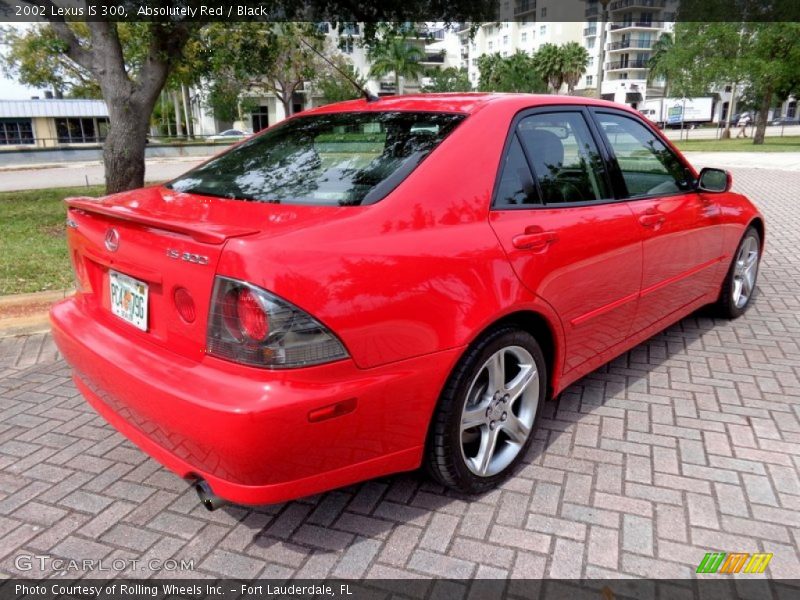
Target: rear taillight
252 326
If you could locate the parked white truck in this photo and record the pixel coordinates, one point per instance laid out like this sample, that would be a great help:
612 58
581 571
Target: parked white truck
670 112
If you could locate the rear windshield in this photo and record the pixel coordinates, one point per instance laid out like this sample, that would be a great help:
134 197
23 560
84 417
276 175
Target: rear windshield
337 159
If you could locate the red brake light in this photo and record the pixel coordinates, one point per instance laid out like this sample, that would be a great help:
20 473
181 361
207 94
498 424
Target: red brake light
252 318
252 326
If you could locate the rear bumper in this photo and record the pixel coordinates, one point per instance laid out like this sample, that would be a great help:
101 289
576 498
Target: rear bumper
247 431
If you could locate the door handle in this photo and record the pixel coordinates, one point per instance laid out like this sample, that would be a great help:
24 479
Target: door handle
652 218
534 239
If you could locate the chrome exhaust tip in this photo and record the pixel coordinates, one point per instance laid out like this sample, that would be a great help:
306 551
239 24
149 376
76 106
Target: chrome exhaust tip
207 496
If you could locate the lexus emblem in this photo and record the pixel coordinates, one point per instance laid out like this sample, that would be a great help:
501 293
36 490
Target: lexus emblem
112 240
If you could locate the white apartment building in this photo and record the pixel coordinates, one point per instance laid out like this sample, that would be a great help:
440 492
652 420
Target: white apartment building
621 38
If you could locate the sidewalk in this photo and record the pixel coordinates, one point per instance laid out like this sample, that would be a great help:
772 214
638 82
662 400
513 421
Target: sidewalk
776 161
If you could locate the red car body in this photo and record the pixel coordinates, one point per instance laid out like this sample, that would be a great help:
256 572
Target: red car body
407 284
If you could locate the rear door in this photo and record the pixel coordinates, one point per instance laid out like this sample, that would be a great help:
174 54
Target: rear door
682 241
568 239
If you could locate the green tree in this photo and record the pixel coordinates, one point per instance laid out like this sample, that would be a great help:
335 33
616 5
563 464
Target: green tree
762 56
449 79
515 73
548 62
395 55
574 61
333 86
659 64
257 57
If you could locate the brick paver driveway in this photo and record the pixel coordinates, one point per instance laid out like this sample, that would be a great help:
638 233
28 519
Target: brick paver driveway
690 443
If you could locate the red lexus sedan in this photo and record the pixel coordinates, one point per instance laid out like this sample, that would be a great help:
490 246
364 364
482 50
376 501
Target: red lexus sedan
371 286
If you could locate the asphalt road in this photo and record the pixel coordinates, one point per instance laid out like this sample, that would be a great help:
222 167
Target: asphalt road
78 174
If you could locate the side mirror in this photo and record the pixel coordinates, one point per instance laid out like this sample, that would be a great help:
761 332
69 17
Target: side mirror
714 181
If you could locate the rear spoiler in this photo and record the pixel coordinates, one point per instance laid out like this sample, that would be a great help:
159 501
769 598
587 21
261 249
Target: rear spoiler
208 233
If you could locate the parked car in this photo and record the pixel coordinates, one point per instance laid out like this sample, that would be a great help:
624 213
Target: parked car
785 121
307 310
229 135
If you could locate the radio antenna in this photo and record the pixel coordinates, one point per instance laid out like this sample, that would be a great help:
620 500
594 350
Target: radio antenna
370 97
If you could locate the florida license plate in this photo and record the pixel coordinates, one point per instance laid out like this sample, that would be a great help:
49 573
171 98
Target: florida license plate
128 299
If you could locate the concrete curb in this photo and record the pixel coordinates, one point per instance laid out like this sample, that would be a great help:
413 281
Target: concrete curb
26 314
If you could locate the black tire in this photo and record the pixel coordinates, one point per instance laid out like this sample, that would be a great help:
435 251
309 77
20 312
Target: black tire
727 305
446 461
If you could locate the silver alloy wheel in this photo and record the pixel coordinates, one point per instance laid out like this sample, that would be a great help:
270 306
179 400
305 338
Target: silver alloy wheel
745 271
497 417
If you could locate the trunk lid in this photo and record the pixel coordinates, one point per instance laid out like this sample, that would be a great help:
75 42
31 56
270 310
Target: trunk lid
166 240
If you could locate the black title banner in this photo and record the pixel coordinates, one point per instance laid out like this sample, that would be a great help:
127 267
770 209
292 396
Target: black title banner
449 11
380 589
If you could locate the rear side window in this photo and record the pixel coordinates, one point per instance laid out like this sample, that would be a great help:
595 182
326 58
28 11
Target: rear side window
648 166
516 185
564 157
337 159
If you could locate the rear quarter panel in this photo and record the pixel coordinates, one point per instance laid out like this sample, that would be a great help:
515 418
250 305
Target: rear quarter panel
418 272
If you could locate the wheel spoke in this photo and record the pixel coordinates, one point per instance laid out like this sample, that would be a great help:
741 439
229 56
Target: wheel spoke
473 417
516 429
497 371
515 387
484 457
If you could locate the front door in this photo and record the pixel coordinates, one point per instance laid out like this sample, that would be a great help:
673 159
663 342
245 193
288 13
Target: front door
567 239
682 240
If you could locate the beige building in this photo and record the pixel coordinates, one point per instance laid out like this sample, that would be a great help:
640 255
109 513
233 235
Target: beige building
51 123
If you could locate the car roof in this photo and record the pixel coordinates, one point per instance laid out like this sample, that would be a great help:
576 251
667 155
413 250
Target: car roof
460 102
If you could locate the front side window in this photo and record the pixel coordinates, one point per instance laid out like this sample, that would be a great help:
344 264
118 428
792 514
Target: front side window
648 166
564 157
339 159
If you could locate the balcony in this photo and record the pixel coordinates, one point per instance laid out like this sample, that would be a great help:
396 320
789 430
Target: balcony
590 31
624 4
636 44
592 11
637 25
626 64
434 58
524 6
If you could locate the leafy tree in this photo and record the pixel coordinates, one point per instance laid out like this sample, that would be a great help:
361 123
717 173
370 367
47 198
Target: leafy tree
35 57
515 73
574 61
762 56
659 64
396 56
548 62
448 80
128 62
333 86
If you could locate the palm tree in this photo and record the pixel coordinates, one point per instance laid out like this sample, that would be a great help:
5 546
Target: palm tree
549 64
575 60
398 57
658 64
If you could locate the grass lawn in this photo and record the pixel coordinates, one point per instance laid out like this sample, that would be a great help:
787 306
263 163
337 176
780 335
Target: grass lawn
33 250
771 144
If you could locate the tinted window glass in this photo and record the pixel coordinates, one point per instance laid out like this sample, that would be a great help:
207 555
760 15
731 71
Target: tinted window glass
648 166
337 159
516 184
565 159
